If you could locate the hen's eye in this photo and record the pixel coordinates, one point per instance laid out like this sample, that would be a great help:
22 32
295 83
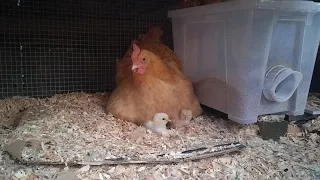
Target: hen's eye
163 118
143 59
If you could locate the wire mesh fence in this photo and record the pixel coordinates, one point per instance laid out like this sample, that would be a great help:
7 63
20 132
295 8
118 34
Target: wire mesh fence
49 47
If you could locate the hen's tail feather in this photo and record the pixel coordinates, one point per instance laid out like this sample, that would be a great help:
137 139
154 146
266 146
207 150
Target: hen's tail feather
154 34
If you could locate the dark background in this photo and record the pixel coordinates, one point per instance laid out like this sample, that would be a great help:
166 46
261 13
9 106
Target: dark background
315 83
49 47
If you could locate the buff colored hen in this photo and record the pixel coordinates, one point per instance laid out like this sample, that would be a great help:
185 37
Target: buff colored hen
151 42
152 85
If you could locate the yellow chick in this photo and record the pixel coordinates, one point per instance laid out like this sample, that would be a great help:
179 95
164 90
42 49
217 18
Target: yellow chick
158 123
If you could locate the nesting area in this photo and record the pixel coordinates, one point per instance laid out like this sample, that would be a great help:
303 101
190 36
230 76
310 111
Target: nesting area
74 127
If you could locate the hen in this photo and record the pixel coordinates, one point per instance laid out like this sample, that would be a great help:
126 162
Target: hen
151 42
153 85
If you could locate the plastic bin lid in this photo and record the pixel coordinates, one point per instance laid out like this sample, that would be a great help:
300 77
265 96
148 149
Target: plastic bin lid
284 5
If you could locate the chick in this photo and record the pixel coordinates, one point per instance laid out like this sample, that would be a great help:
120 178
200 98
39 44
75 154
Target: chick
186 115
158 123
185 118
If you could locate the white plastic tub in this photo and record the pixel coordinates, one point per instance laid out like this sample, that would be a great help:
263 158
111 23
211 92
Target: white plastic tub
249 57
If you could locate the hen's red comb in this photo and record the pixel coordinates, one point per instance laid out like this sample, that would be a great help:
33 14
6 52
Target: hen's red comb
135 52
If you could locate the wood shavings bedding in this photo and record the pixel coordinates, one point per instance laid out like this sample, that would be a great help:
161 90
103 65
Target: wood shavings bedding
314 100
75 127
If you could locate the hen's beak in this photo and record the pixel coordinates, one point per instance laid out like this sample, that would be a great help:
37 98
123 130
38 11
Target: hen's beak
134 67
169 120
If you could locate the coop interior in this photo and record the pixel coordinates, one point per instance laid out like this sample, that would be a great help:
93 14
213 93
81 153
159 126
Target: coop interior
58 70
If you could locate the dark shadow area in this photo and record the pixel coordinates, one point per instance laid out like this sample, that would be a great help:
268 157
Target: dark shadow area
315 82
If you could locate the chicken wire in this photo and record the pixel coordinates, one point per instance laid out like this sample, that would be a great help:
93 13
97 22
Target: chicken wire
49 47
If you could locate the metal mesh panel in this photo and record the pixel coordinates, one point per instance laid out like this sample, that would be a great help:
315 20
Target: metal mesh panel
49 47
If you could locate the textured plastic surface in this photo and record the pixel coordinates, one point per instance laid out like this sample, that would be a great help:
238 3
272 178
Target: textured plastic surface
228 48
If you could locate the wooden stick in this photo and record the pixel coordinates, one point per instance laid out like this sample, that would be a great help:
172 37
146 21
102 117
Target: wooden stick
147 161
